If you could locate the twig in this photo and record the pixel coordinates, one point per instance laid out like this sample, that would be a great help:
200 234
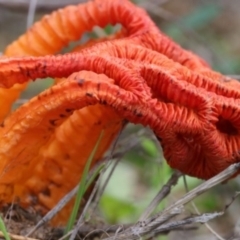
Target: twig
237 77
43 4
21 101
31 12
17 237
54 211
102 189
203 218
221 177
155 9
143 228
232 200
165 190
198 212
65 236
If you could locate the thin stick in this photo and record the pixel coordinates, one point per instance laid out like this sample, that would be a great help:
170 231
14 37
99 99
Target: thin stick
237 77
31 12
148 226
16 237
203 218
165 190
198 212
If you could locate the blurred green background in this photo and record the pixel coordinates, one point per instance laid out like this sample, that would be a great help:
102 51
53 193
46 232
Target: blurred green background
208 28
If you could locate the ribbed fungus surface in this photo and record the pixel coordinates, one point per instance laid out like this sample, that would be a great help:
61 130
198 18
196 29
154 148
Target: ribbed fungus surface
138 75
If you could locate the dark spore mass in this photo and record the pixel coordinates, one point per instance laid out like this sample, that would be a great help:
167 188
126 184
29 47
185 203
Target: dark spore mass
46 192
68 110
158 138
103 102
62 115
53 122
89 94
136 113
80 82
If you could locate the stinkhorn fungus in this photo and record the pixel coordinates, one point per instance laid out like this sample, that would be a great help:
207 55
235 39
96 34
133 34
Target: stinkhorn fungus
138 75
